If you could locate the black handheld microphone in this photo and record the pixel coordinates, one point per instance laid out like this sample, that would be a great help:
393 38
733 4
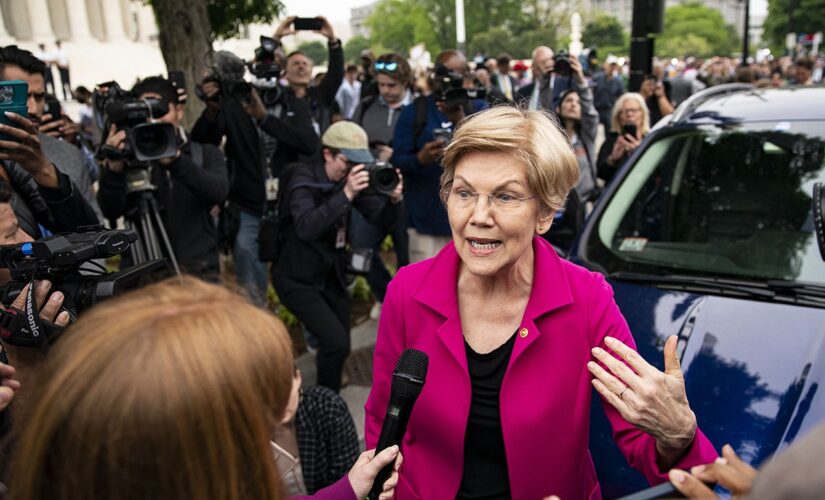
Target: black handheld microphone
407 382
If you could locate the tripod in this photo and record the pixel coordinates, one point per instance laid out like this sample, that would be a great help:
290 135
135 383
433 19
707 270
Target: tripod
153 242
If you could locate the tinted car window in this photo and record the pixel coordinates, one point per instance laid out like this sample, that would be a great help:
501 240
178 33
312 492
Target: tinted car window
733 201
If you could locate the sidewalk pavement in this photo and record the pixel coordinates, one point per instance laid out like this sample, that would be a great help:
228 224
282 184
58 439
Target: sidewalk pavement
358 369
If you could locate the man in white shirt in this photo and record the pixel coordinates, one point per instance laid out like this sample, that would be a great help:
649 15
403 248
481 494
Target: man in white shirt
62 63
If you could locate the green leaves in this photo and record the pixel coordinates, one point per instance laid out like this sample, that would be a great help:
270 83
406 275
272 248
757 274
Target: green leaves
316 51
606 33
691 29
229 16
798 16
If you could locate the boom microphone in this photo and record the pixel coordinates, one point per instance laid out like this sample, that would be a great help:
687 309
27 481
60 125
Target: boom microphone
407 382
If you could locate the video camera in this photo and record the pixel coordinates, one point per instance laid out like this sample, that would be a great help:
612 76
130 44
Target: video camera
450 88
383 178
146 141
228 72
59 259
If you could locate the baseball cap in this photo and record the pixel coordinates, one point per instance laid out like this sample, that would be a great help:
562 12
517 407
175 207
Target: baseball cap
611 59
349 139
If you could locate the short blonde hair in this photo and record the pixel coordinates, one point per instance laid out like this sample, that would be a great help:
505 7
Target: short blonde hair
532 137
169 392
616 125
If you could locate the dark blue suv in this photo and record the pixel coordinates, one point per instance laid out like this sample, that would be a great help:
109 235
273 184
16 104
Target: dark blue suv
707 233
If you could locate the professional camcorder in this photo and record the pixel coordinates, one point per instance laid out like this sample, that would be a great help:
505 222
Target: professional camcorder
60 259
228 72
383 178
450 88
145 141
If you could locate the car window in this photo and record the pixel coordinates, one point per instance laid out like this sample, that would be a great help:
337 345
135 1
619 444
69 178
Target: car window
732 201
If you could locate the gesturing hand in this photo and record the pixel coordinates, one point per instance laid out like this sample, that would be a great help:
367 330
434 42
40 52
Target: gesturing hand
653 401
729 471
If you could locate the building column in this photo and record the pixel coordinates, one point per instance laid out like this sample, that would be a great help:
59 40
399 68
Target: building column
5 36
113 19
41 21
79 20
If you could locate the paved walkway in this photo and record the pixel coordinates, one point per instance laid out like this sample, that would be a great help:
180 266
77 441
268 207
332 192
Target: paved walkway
358 369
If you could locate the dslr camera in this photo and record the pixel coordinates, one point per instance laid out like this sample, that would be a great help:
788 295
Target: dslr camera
451 90
383 178
60 259
228 72
145 141
561 64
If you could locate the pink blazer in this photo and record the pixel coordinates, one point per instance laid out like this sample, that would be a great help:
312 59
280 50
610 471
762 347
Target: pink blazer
545 395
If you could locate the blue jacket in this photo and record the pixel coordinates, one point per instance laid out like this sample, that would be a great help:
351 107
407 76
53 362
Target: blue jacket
421 182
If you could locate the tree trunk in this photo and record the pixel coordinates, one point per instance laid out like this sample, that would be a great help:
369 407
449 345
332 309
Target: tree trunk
186 44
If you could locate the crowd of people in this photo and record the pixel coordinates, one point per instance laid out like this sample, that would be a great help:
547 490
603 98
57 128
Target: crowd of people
184 389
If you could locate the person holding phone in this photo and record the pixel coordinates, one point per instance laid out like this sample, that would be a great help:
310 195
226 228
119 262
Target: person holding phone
298 69
630 122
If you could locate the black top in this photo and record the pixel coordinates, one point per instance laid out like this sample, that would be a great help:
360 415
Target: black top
293 131
485 463
317 215
327 439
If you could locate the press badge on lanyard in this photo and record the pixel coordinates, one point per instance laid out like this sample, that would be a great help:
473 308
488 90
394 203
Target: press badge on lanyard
341 238
271 188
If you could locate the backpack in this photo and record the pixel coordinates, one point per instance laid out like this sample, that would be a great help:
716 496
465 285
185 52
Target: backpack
272 230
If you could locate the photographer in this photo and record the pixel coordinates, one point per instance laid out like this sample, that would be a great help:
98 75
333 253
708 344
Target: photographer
551 76
262 137
188 186
298 74
310 274
18 64
416 150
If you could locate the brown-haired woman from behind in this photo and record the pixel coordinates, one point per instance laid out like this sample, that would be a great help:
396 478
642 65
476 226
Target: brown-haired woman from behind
173 391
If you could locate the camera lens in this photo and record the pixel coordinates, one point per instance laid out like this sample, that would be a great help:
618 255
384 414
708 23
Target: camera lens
153 141
385 180
240 91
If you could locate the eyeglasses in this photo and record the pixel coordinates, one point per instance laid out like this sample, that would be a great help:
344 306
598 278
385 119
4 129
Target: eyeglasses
389 66
462 197
629 111
37 96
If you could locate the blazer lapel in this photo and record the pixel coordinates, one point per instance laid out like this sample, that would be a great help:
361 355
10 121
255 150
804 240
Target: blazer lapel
437 291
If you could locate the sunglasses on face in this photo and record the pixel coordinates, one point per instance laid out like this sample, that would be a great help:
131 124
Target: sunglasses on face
386 66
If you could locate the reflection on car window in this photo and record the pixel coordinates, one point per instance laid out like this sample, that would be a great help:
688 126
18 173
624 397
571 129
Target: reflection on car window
718 201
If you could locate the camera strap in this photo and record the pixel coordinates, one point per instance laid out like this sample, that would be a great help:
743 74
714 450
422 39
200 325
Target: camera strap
26 328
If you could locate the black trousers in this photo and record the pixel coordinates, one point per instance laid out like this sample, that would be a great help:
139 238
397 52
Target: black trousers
326 313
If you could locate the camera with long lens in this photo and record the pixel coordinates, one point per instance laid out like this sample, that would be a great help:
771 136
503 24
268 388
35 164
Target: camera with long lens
60 259
146 141
450 88
228 71
383 178
561 64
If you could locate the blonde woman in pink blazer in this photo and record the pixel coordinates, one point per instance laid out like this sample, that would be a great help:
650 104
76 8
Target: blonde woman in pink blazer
518 338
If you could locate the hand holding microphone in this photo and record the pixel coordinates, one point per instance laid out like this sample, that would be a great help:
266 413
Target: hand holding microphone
407 382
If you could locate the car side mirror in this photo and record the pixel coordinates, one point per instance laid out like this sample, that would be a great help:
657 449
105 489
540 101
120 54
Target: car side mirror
819 208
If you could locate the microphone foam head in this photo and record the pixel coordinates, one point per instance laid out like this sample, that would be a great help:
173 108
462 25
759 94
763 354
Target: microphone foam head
410 373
